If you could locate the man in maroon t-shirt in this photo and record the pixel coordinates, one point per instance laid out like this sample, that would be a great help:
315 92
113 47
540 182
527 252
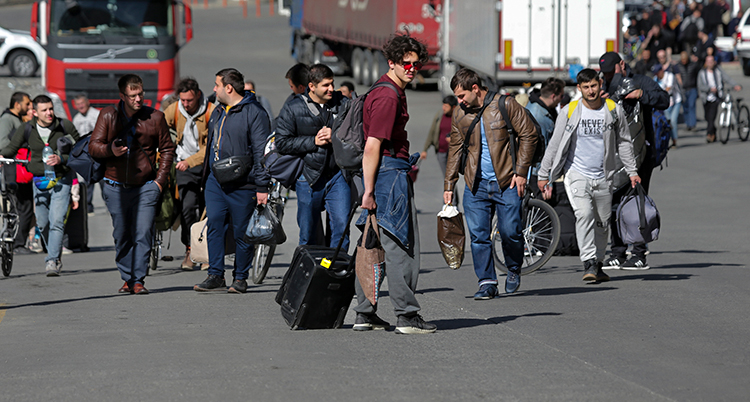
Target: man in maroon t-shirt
385 165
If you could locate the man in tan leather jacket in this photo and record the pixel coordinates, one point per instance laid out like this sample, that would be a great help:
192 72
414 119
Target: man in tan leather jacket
493 184
189 118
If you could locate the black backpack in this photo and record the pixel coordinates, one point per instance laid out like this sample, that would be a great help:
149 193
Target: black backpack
540 142
348 138
91 169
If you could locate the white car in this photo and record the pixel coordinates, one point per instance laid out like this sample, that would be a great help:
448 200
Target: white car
743 42
20 52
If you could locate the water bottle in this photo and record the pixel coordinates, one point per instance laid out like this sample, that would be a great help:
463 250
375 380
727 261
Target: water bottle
49 171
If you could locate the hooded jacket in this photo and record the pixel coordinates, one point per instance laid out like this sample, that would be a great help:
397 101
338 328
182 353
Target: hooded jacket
296 127
241 130
201 123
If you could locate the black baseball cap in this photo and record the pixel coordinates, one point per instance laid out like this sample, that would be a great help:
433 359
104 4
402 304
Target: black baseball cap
608 61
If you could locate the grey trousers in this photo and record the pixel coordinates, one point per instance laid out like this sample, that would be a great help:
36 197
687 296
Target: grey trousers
592 204
402 271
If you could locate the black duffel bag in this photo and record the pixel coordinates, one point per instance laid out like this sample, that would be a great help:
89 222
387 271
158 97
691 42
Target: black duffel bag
232 170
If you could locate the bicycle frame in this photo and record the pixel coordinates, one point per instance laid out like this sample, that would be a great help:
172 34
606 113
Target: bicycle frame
725 119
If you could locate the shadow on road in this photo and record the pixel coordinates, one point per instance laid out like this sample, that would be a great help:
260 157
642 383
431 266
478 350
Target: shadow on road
460 323
563 291
655 277
690 252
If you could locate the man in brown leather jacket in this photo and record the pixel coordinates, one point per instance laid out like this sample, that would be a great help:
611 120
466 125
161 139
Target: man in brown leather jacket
127 138
493 184
189 118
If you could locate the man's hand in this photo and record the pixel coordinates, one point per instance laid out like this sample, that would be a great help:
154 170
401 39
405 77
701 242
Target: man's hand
518 182
53 160
182 166
637 94
423 155
75 204
448 197
262 198
323 137
545 188
119 151
368 201
634 180
604 95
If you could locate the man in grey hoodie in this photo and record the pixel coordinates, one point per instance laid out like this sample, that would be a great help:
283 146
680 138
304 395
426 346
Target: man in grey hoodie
588 135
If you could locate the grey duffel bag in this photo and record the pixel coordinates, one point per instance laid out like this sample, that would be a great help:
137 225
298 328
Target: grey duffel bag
638 219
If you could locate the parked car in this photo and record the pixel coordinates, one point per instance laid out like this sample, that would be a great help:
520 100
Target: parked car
743 42
20 52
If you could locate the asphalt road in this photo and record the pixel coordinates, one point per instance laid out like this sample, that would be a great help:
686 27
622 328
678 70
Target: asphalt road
678 331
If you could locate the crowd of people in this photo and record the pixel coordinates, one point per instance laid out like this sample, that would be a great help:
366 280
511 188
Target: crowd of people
690 29
585 139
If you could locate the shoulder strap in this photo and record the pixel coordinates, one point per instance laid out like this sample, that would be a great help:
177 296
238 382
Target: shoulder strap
571 107
176 113
611 105
398 95
467 134
26 132
509 127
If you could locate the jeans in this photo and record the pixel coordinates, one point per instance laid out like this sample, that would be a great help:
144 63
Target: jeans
221 205
132 210
591 200
688 106
333 195
479 208
673 113
51 210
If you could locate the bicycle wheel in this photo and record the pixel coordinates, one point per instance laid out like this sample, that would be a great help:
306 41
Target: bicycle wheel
541 233
743 123
725 126
153 256
7 258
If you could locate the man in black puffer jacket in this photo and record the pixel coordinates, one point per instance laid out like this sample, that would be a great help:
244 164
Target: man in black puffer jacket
304 128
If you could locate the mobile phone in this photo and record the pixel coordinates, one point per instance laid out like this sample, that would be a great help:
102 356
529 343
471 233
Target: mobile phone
119 142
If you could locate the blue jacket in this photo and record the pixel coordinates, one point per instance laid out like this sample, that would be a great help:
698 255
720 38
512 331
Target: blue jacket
242 131
393 195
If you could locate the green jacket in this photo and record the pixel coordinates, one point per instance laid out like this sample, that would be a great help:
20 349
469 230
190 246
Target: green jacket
433 137
36 146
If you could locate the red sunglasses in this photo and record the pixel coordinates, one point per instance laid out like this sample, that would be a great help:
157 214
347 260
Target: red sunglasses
415 65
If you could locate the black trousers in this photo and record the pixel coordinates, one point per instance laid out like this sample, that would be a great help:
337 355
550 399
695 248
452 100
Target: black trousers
710 110
619 248
24 199
190 203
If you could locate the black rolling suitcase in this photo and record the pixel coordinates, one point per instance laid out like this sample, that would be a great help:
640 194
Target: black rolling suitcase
318 287
568 244
77 223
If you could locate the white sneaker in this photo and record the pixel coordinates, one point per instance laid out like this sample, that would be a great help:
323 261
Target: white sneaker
66 251
51 269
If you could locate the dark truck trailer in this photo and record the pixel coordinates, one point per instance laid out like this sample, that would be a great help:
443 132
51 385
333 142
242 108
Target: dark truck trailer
348 35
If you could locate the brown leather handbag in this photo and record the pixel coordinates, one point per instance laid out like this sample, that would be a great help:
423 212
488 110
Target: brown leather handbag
370 262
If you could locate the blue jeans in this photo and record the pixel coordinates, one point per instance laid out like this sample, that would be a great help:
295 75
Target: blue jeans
479 208
132 210
221 205
334 196
673 113
688 106
51 210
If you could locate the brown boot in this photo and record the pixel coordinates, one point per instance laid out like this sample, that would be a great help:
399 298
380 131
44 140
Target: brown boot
187 265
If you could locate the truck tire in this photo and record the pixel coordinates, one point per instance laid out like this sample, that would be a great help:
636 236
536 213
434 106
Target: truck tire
380 65
746 66
22 63
357 58
368 62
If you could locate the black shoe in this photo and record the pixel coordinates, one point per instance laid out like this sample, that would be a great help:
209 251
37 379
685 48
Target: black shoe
365 322
213 282
635 263
590 268
600 275
613 262
486 292
414 325
22 251
238 286
512 282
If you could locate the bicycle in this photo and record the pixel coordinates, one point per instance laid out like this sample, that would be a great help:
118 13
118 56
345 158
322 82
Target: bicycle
9 218
741 119
156 254
541 234
264 252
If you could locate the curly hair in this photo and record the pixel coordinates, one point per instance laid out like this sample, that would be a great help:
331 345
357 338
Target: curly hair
400 44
